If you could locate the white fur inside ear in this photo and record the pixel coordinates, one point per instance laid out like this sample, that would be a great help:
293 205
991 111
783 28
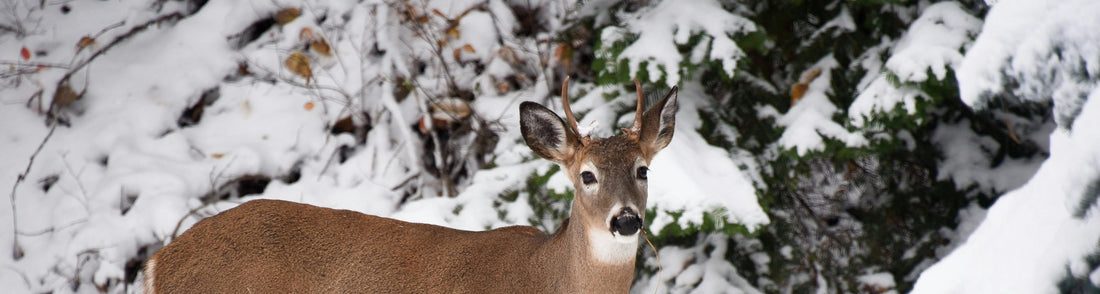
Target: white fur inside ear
612 248
552 120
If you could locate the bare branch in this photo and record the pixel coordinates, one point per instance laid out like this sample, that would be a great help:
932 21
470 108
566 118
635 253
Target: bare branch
17 251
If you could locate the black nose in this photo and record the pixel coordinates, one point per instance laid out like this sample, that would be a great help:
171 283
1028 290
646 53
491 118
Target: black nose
626 223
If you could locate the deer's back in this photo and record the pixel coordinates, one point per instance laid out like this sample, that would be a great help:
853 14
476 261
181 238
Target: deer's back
267 246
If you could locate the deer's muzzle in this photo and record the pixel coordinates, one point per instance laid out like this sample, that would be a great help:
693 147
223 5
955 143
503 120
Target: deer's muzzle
626 223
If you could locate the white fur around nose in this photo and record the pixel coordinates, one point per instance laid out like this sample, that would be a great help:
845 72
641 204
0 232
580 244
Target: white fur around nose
611 247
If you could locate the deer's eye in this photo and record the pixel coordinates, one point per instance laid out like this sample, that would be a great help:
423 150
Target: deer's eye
588 178
643 172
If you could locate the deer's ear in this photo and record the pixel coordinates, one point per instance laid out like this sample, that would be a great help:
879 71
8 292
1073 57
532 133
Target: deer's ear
546 133
658 123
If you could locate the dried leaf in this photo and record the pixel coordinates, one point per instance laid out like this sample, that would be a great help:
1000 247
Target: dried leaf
503 87
457 52
321 47
562 53
217 155
65 95
298 63
453 33
439 13
422 124
450 109
26 54
306 34
508 54
309 106
468 48
798 91
287 15
84 42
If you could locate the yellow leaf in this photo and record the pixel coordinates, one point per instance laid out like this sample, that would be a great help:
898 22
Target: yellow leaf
321 47
287 15
298 63
84 42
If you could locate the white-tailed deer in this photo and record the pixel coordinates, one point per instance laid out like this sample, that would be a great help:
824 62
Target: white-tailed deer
268 246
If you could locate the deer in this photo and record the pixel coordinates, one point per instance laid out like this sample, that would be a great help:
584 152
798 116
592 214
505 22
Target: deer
273 246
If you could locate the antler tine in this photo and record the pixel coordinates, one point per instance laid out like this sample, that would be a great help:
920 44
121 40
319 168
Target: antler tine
637 127
569 112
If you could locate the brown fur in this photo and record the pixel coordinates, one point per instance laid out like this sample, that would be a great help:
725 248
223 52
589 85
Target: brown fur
271 246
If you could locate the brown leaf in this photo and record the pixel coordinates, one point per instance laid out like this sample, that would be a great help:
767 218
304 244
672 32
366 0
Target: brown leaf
298 63
453 33
217 155
439 13
798 91
508 54
306 34
321 47
84 42
65 95
450 109
287 15
468 48
503 87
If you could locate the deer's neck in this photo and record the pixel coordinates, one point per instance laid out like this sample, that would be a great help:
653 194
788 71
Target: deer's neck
579 260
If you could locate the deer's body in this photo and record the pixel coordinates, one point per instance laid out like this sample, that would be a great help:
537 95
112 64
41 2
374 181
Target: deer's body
371 254
270 246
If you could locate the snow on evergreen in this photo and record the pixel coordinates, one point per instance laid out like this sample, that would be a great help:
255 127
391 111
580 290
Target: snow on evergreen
1043 236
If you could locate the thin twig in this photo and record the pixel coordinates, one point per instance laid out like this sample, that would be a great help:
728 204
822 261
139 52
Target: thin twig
658 256
17 252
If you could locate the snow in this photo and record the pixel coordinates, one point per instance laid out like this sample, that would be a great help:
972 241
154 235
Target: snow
1031 235
967 160
697 269
933 43
878 282
1039 51
670 23
809 121
1039 234
128 175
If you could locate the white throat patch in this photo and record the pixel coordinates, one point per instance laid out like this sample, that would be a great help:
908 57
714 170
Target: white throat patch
612 248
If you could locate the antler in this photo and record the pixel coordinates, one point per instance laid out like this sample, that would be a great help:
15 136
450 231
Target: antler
635 130
569 112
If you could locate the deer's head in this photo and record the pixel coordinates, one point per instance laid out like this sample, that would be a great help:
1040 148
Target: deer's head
609 175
